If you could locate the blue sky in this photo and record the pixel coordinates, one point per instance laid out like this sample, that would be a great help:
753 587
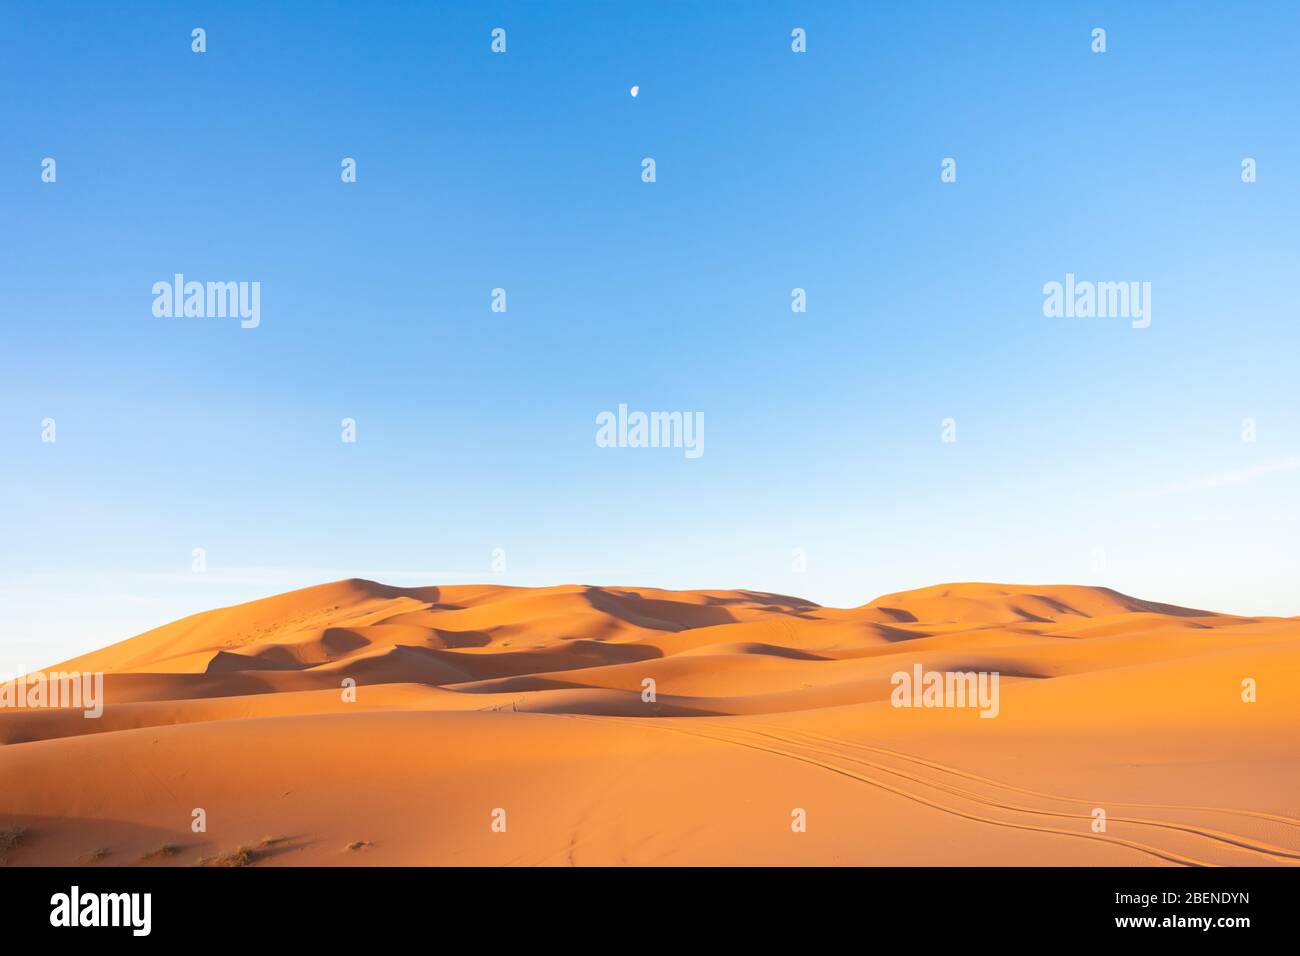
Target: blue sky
775 170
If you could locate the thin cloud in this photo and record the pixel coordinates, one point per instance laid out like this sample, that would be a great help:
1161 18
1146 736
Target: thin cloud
1225 479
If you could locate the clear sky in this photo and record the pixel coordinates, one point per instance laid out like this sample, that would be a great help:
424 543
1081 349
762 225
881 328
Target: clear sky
522 171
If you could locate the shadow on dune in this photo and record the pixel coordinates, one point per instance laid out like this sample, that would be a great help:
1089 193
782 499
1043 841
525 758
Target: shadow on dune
455 639
342 640
896 635
898 615
656 614
272 658
599 653
775 650
784 603
668 615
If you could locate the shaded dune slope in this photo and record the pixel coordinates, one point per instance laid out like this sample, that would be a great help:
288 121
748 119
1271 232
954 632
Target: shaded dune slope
537 697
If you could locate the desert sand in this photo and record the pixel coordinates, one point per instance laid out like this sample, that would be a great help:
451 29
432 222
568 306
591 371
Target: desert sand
511 726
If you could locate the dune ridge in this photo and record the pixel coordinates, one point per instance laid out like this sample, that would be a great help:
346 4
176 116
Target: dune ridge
477 698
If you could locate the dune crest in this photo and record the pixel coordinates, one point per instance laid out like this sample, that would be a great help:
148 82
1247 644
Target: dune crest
638 725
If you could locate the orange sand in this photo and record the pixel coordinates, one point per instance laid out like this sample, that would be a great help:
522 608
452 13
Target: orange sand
529 700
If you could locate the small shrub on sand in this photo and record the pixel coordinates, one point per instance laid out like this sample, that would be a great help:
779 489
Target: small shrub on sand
243 856
10 838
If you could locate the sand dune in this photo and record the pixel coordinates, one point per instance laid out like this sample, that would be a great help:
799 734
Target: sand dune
475 705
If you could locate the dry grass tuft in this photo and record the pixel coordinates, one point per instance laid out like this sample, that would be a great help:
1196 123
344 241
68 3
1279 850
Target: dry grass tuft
243 856
11 838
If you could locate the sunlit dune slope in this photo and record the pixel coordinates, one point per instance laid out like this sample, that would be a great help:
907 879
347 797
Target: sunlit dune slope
622 725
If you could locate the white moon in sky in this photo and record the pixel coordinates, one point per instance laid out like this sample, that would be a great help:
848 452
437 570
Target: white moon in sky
635 90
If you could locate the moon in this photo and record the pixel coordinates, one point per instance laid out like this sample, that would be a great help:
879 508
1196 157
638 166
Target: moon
634 91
